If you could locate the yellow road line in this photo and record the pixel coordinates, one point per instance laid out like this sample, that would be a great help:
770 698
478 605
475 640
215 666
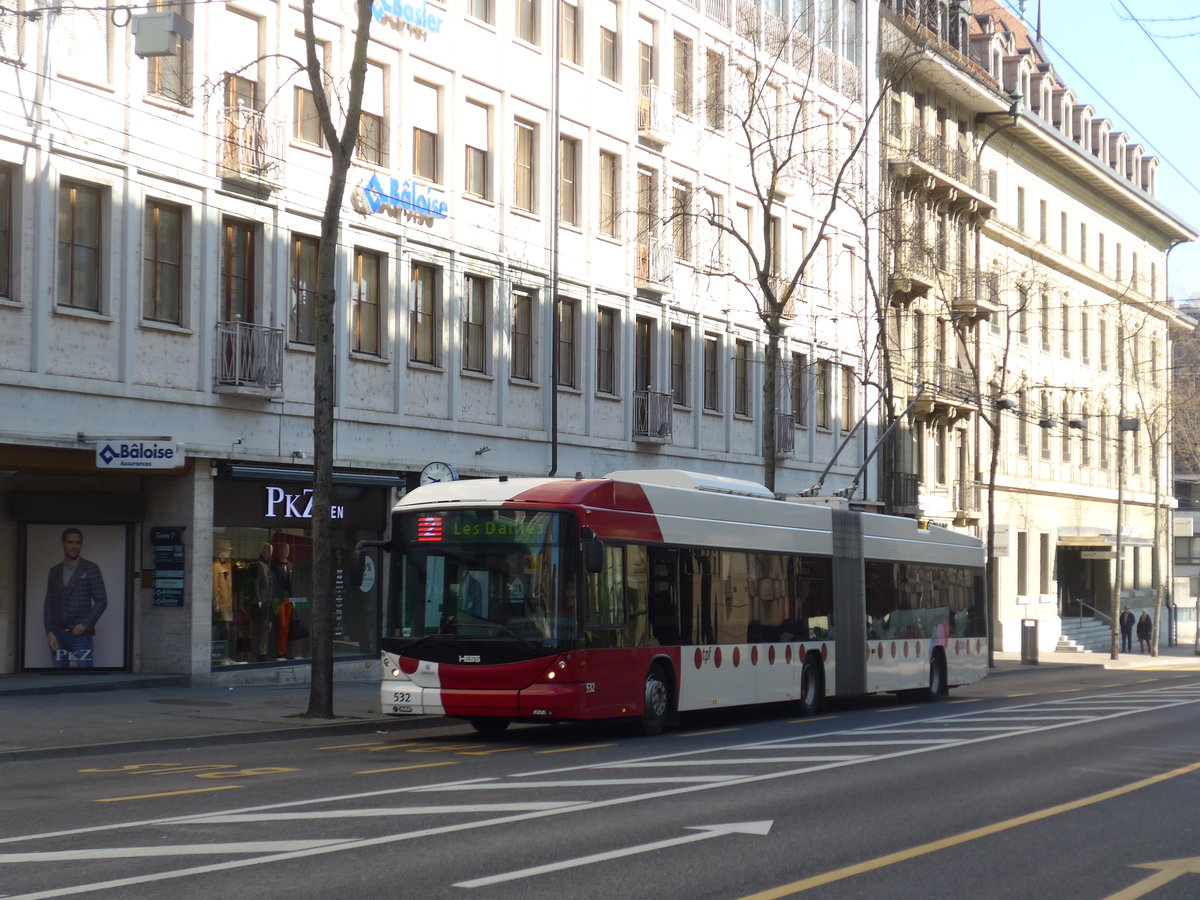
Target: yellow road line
403 768
224 787
813 719
1011 696
895 709
881 862
692 734
965 700
1069 691
573 749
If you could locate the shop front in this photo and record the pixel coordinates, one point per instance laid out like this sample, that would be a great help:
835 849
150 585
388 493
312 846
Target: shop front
262 565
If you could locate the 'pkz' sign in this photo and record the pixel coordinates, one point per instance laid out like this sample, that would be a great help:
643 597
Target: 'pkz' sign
139 455
281 504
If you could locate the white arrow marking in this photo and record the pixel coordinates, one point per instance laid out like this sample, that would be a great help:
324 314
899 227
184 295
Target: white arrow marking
705 832
177 850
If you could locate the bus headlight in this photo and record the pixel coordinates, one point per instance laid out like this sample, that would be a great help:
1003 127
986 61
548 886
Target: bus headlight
395 673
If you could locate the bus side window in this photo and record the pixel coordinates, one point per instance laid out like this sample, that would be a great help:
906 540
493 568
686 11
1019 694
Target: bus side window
606 590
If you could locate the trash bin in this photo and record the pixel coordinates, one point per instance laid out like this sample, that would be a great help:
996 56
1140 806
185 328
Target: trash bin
1029 641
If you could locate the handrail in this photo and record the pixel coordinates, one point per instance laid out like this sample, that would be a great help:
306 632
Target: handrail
1099 614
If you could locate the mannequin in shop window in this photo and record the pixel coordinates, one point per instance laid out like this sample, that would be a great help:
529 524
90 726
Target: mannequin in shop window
262 608
281 585
222 591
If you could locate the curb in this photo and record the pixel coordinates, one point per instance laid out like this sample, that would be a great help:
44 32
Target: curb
214 740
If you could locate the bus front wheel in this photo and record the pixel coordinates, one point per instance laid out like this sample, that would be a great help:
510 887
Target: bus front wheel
489 725
656 708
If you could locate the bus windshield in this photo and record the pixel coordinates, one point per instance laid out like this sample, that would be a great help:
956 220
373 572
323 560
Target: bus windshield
484 573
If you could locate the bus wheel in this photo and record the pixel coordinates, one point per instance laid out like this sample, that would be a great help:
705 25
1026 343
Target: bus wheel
810 687
937 679
489 725
657 706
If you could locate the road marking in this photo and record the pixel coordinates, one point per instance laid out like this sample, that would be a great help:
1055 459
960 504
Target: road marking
223 787
704 833
491 752
406 768
574 749
892 709
45 856
378 812
963 700
1026 694
813 719
881 862
692 734
1169 870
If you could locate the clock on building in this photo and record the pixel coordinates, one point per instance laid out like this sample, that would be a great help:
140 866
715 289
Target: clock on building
436 472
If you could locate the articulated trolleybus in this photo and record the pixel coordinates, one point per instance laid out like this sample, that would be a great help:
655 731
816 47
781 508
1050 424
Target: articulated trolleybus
644 594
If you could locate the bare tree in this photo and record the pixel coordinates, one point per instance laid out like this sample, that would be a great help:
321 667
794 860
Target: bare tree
341 145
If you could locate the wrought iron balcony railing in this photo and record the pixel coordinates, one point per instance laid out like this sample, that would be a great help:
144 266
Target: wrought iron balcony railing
251 145
249 358
652 412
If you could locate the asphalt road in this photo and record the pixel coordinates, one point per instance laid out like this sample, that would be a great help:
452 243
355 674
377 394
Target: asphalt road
1073 782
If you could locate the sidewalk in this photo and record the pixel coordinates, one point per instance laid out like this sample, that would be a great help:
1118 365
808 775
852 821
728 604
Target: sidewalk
50 716
45 716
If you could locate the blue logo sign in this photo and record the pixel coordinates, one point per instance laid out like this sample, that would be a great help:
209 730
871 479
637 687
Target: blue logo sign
405 15
407 196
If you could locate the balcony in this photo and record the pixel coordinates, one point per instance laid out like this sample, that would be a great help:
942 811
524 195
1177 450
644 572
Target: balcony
652 412
655 262
655 114
967 499
251 146
785 434
912 275
946 173
249 359
904 493
948 392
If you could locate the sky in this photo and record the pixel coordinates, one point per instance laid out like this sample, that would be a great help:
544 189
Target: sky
1137 62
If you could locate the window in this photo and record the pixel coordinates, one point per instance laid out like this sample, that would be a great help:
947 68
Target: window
683 76
80 207
1083 242
372 132
645 54
712 372
1066 331
849 416
1085 353
162 263
170 77
610 197
681 220
423 315
821 394
1022 423
84 52
568 180
304 287
475 323
610 66
714 90
1022 564
1045 417
1021 209
6 230
425 132
851 26
523 177
527 20
680 341
1023 315
567 310
237 271
606 350
1045 321
799 385
521 352
1062 232
1066 431
1102 349
643 354
306 125
477 134
741 378
1045 561
1043 223
826 32
482 10
365 302
941 440
1102 437
568 46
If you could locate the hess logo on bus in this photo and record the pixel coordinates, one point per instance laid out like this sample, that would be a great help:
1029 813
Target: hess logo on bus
468 657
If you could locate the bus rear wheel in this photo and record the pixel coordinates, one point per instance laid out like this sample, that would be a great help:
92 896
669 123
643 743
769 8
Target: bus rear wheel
937 680
488 725
811 689
656 707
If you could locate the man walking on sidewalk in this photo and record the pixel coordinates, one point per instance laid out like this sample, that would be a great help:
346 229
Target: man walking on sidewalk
1126 623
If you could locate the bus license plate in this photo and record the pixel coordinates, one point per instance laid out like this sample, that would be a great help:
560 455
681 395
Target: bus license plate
402 709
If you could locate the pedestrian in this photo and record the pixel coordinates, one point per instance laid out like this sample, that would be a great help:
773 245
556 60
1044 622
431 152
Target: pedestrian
1143 632
75 600
1126 621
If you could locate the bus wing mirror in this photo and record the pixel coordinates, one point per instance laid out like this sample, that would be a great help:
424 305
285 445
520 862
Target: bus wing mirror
593 552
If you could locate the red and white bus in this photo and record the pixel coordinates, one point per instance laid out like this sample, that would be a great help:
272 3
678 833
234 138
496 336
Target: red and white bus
648 593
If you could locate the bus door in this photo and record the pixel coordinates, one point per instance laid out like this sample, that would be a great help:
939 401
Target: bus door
664 596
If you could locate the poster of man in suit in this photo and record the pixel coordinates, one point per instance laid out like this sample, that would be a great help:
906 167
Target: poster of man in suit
75 596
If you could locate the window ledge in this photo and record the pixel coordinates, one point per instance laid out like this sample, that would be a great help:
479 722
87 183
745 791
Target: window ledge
363 356
166 327
61 309
477 376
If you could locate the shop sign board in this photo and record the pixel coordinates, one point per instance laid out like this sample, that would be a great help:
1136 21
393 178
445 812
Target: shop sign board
168 566
135 454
